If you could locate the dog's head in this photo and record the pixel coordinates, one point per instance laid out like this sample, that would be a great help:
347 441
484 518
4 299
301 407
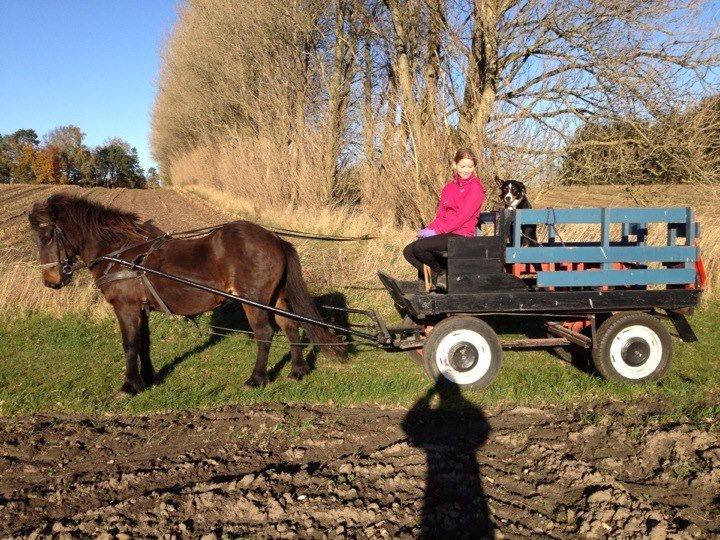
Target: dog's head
512 193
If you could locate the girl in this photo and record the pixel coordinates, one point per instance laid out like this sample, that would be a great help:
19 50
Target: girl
457 215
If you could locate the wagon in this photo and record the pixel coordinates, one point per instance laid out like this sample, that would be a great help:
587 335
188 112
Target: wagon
608 296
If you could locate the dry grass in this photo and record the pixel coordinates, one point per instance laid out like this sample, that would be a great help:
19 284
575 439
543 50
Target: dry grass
266 172
21 288
263 170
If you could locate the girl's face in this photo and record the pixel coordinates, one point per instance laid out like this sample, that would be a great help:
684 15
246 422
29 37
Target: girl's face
465 167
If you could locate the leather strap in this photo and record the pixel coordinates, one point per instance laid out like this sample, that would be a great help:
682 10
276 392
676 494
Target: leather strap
115 276
134 274
155 294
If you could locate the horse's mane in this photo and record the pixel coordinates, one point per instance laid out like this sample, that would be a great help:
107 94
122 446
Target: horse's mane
103 222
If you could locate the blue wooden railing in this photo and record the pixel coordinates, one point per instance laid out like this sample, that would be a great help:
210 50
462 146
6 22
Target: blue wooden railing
634 223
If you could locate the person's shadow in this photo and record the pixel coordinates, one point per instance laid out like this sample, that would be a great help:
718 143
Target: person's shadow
450 430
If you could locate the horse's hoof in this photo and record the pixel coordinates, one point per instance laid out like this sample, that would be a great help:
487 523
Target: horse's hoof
297 375
132 387
256 382
122 395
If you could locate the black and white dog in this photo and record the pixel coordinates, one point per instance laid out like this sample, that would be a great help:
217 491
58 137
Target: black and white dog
514 197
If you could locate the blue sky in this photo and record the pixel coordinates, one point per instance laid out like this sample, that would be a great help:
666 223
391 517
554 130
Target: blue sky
92 63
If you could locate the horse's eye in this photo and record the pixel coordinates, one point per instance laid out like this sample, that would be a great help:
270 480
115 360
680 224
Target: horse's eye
46 240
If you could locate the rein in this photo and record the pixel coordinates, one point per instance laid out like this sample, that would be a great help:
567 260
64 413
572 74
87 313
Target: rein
280 232
300 234
194 233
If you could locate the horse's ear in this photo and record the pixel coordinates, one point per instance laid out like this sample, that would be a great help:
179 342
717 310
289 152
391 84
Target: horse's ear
150 227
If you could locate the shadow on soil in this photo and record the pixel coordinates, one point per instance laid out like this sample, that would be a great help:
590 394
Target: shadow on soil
450 430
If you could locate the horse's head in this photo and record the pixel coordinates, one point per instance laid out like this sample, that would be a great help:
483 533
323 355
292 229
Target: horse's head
57 254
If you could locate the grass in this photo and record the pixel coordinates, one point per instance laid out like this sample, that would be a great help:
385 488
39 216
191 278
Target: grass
74 364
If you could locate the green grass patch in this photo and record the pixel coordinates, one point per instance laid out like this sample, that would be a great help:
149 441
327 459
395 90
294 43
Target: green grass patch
75 364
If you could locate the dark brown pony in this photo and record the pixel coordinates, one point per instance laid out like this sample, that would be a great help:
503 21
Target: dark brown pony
239 257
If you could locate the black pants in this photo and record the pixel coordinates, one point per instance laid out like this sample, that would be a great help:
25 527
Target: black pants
424 251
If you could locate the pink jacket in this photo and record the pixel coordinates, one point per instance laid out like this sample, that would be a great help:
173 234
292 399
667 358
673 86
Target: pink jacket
459 207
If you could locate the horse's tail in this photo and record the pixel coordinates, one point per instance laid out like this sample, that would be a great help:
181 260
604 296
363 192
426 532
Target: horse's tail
302 303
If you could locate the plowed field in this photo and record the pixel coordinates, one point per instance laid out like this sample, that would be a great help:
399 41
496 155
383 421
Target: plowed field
170 210
319 472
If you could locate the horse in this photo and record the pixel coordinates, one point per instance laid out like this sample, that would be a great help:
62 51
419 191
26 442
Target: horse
240 257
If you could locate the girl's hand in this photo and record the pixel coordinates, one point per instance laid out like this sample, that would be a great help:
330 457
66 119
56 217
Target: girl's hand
426 233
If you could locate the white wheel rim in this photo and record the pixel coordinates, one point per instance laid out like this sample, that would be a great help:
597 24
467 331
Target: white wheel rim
477 371
627 336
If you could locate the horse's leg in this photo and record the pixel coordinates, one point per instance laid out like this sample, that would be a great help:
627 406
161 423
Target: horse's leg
259 320
146 368
129 317
300 367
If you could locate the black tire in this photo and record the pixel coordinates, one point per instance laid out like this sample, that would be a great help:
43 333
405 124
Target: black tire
632 347
463 350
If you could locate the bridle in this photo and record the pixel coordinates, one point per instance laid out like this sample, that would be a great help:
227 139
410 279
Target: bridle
65 256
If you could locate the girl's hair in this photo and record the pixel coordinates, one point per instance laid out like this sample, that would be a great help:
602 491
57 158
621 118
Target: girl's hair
465 153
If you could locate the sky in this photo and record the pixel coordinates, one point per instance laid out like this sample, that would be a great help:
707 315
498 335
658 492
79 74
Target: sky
91 63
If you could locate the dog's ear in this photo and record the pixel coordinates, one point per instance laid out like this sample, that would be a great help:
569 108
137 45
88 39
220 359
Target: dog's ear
522 187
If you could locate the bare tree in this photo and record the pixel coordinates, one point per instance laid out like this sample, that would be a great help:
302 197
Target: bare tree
396 85
537 66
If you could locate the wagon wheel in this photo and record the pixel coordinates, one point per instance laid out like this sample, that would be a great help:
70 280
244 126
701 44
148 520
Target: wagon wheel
632 347
464 350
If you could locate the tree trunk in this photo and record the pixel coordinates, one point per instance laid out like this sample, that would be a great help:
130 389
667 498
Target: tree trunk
403 63
368 120
338 92
482 73
430 112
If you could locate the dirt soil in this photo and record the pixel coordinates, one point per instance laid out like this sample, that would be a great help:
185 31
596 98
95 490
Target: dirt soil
171 210
319 471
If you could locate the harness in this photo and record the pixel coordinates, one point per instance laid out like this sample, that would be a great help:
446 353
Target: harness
124 274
